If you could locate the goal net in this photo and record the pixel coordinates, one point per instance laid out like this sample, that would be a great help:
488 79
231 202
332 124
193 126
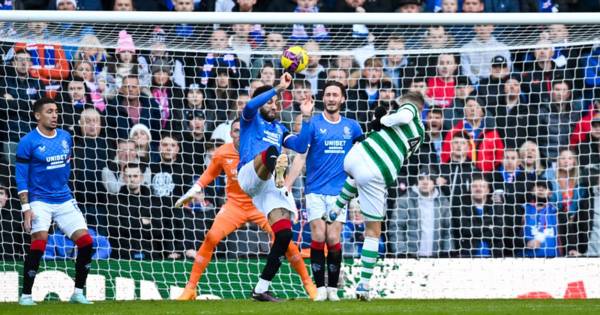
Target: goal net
509 169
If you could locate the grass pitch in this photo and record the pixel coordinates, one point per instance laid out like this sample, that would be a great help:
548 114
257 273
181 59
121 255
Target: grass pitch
378 307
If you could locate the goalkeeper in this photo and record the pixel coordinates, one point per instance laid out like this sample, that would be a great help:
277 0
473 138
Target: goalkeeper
373 165
238 210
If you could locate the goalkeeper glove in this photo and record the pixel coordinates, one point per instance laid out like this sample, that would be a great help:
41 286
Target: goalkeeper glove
189 195
375 124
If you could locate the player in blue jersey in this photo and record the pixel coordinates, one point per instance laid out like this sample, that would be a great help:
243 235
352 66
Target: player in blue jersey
262 138
43 170
332 136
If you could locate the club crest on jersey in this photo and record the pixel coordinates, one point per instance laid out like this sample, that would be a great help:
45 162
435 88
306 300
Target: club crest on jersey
65 146
347 133
323 130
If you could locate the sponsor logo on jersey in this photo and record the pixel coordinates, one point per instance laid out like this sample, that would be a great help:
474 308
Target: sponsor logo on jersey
323 130
42 148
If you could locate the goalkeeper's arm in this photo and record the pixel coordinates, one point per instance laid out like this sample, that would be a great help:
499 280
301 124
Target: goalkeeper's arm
189 195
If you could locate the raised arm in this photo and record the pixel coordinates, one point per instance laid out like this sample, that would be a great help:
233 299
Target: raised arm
299 143
295 170
256 102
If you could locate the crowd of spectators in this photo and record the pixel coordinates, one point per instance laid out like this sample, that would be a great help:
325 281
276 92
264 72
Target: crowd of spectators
509 167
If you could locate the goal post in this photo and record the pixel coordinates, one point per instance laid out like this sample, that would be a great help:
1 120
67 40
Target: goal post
512 113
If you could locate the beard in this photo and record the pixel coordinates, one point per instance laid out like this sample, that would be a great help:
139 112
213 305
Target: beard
266 115
332 111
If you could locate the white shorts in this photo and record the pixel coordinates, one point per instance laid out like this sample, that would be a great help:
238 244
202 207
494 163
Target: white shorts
317 205
67 216
372 191
265 195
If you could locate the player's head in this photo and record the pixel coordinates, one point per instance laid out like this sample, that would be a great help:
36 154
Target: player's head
334 96
235 132
414 98
270 110
169 147
46 113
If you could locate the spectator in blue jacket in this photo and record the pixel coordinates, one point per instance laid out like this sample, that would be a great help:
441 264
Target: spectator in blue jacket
591 64
541 223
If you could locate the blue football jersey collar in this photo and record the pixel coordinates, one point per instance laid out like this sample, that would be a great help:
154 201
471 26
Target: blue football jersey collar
331 122
43 135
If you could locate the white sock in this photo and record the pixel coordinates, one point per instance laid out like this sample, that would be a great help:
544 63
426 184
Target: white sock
25 295
262 286
78 291
330 289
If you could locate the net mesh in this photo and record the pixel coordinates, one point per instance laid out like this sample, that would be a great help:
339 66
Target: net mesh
507 107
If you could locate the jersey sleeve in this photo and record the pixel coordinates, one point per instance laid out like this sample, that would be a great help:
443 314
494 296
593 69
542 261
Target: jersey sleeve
356 130
403 116
298 143
215 167
23 160
251 109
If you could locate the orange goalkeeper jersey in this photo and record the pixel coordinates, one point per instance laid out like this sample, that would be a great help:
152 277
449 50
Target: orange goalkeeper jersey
226 159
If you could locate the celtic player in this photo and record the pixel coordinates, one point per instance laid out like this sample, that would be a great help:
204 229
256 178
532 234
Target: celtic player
372 166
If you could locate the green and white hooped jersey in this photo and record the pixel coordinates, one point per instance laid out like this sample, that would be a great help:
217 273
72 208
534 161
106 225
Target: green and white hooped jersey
391 146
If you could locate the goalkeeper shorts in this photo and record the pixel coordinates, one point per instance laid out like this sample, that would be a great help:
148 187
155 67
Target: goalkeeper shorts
67 216
265 195
372 191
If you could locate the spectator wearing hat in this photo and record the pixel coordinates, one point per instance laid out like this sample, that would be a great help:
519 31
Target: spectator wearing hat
554 121
168 95
476 61
588 150
195 139
409 6
421 225
486 144
490 88
72 5
126 63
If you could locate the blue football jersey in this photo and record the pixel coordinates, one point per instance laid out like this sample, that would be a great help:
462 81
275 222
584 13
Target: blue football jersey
330 142
43 166
256 135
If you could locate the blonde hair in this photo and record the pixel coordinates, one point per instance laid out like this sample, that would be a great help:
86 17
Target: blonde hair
539 168
90 41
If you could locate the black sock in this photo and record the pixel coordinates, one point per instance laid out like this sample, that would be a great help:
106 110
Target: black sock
269 158
277 254
82 265
317 262
334 263
31 265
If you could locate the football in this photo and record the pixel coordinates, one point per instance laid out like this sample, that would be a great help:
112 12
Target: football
294 59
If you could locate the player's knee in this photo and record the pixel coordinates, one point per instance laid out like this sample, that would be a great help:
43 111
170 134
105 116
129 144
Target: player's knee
212 239
84 240
38 245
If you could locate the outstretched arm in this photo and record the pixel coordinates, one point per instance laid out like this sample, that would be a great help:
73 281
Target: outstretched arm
295 170
402 117
212 171
256 102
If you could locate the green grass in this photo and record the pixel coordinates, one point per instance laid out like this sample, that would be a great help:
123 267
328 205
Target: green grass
379 307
